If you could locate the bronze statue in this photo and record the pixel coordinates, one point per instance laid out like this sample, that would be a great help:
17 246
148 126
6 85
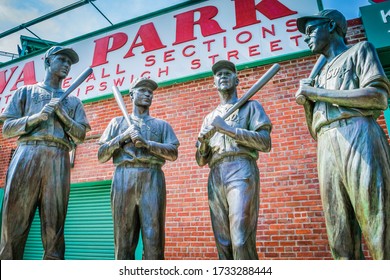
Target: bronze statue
138 193
341 108
231 150
39 172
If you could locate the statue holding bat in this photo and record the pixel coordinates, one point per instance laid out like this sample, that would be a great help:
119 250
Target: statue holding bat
47 123
230 145
342 101
139 146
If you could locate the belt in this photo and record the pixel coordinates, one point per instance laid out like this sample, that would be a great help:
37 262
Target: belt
44 143
140 165
334 124
230 159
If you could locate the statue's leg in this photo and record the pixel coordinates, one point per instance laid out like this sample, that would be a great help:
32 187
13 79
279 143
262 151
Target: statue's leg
53 201
369 185
343 230
219 213
152 212
243 198
20 202
125 212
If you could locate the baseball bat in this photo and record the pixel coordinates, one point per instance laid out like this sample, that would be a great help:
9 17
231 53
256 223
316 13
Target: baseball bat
301 99
122 106
255 88
121 103
88 71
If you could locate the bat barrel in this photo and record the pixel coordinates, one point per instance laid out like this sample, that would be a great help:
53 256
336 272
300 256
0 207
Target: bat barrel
77 82
255 88
301 99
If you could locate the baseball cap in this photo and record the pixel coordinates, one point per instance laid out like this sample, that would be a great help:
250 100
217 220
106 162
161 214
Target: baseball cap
223 64
143 82
329 14
61 50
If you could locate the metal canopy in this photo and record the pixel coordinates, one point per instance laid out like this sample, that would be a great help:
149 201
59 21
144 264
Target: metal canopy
44 43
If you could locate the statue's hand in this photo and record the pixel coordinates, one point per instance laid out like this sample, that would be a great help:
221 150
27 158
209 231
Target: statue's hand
49 109
301 94
206 133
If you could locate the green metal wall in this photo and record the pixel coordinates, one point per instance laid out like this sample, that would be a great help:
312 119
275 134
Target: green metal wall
384 56
88 227
387 112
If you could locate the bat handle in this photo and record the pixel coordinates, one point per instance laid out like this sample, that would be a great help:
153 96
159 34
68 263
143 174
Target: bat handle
210 128
138 144
301 99
44 117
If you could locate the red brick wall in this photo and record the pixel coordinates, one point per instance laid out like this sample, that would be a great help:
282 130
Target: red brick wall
291 223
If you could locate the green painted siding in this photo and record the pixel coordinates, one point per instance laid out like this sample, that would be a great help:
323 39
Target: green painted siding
88 227
1 204
387 112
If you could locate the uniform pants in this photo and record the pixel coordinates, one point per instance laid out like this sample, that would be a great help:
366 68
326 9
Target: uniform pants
353 169
138 199
38 177
233 192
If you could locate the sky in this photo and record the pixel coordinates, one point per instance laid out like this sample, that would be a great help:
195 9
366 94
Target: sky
86 18
74 23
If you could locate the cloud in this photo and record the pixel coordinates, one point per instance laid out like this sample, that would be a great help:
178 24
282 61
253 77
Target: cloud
77 22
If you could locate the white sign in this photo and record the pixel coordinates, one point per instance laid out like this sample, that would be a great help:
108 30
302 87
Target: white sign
179 44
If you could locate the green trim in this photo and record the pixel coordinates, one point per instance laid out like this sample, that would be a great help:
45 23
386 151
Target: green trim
320 5
90 184
37 41
98 98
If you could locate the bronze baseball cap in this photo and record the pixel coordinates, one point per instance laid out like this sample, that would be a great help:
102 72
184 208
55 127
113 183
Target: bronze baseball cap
62 50
143 82
329 14
223 64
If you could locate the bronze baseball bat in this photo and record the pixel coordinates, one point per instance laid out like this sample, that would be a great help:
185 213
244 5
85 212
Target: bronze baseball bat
301 99
255 88
88 71
122 106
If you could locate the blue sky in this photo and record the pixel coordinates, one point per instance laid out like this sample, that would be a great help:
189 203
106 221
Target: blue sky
79 21
87 19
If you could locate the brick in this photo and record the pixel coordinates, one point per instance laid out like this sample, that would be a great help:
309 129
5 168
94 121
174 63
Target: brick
291 222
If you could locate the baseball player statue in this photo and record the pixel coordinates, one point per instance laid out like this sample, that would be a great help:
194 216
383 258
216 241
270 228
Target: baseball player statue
39 173
138 193
231 150
341 108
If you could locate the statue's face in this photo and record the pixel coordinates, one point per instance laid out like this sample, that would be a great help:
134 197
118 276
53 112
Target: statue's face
225 79
317 35
142 96
59 65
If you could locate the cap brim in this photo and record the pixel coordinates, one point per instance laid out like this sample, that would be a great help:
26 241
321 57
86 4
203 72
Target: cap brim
223 64
301 22
146 83
74 57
